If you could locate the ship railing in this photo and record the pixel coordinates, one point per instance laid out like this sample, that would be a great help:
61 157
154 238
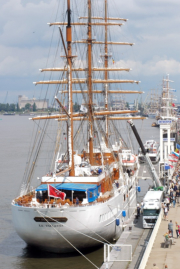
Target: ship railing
47 205
57 205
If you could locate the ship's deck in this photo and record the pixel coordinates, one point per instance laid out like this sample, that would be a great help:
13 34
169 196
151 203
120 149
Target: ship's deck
31 201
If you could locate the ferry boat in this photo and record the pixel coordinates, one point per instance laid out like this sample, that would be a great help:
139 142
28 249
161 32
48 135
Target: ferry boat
9 114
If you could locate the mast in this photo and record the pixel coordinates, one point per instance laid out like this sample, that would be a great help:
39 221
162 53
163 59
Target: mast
68 115
106 74
167 103
89 84
69 76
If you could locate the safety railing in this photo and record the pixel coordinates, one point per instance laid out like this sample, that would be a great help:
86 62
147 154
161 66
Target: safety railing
151 242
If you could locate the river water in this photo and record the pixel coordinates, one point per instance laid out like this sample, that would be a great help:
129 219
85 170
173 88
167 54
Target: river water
15 136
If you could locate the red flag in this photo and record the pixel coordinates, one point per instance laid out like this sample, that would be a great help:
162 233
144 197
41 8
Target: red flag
174 161
53 192
171 165
174 156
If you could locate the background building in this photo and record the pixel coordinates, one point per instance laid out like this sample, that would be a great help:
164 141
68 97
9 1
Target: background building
40 103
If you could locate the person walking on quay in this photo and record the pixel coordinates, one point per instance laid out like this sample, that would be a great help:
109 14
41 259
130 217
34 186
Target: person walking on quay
170 227
165 212
171 196
177 196
142 205
175 187
155 266
138 210
177 230
174 200
167 202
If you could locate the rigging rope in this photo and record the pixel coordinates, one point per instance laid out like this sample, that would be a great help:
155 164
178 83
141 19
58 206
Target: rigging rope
68 240
72 228
89 228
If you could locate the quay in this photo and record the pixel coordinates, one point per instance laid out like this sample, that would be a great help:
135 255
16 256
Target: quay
166 256
137 237
148 245
133 233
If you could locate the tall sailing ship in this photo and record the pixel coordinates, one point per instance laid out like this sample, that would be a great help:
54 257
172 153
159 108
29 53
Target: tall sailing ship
168 107
89 192
154 104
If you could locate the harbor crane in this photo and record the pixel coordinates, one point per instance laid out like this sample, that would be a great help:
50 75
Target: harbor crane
146 156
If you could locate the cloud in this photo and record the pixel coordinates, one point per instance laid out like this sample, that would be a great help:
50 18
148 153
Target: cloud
153 26
153 67
24 25
21 62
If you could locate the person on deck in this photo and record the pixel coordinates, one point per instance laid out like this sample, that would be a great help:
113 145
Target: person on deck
128 172
77 201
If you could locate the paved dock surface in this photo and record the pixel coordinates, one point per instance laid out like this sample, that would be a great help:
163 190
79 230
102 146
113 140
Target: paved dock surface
138 238
166 256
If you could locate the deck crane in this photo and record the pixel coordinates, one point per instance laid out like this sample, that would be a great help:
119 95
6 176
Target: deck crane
146 155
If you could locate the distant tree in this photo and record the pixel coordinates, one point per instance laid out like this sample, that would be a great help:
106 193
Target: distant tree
127 105
17 107
2 107
27 106
12 107
34 107
7 107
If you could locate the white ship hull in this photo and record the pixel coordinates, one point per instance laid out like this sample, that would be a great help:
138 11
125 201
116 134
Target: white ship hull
97 219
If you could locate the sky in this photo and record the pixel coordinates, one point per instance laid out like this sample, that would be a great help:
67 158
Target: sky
25 39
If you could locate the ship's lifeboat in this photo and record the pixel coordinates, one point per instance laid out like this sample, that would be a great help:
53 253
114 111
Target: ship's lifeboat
130 160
